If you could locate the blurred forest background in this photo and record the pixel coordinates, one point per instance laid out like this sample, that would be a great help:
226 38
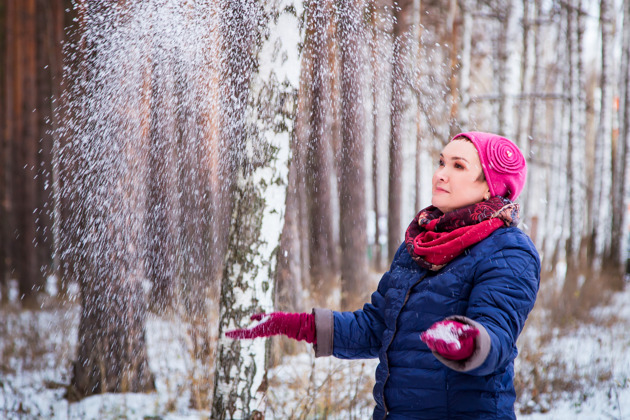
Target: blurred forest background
383 85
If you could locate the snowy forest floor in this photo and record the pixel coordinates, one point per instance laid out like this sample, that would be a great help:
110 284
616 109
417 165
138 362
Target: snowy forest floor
576 372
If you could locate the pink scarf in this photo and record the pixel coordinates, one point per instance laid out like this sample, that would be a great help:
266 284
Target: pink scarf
434 239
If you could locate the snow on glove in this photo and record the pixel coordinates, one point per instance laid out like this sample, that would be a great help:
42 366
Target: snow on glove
451 339
296 326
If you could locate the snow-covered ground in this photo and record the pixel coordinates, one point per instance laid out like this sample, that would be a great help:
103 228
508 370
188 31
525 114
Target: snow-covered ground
581 372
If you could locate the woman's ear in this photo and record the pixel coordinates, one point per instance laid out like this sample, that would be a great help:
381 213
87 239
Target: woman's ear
486 195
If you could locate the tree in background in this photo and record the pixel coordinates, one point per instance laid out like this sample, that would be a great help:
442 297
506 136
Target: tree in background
600 222
106 148
162 209
20 139
621 161
404 12
31 61
323 260
352 182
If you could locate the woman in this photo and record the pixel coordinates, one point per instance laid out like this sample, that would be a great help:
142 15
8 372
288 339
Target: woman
445 317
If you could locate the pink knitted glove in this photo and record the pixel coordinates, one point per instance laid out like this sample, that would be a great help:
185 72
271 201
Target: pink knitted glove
295 326
451 339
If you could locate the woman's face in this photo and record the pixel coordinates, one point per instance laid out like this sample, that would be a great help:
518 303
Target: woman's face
458 181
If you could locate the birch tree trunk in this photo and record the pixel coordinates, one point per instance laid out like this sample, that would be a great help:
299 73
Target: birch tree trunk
576 134
621 163
505 67
536 139
522 134
600 216
248 280
526 75
556 225
576 261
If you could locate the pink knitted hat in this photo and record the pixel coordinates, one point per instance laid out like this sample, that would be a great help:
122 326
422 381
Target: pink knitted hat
502 162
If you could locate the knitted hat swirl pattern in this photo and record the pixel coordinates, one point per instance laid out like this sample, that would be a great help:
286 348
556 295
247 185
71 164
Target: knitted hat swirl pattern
502 162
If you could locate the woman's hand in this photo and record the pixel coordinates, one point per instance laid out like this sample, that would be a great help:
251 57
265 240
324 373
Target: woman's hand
296 326
451 339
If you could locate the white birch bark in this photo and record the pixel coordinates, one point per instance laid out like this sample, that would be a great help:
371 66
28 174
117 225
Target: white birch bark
538 174
600 216
556 226
506 69
257 219
621 189
527 93
576 133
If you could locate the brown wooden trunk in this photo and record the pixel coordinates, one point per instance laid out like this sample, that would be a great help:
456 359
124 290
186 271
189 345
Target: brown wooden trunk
402 24
111 353
161 195
24 138
288 277
352 229
50 20
5 168
322 252
453 31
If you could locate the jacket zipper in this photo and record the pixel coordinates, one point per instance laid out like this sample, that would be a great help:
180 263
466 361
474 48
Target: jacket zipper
392 339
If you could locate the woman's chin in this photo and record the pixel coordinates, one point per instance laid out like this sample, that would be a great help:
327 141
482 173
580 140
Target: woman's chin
440 205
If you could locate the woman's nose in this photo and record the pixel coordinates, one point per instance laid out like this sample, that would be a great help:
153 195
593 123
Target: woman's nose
441 174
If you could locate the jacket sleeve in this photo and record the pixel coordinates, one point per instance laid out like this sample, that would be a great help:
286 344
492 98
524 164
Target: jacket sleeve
504 293
350 335
354 335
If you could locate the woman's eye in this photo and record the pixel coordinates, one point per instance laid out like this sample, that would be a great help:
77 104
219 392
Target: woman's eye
441 162
459 166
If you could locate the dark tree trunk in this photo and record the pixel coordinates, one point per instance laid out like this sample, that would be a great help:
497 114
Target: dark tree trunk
376 89
289 280
50 21
198 257
353 238
403 18
23 59
453 38
111 354
6 121
322 253
161 202
67 219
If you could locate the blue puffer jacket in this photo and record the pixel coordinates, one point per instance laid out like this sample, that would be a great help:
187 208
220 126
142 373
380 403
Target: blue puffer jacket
492 286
